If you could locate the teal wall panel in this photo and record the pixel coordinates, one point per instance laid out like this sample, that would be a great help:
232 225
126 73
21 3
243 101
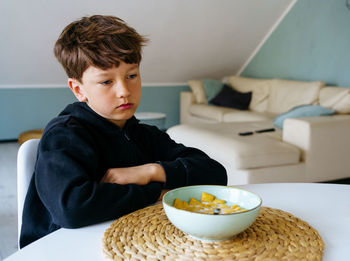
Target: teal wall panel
311 43
24 109
29 108
165 100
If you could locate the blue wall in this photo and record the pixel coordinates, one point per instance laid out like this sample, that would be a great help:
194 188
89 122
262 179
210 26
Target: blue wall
311 43
31 108
163 99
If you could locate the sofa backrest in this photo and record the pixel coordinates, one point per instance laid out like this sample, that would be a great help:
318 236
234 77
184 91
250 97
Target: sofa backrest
336 98
198 91
258 87
275 95
286 94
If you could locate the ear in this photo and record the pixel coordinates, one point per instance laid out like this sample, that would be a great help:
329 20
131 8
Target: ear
75 86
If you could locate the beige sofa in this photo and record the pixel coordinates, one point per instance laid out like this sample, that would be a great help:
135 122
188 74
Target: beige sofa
306 150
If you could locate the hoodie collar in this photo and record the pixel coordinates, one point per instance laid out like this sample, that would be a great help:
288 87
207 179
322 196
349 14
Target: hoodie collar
82 112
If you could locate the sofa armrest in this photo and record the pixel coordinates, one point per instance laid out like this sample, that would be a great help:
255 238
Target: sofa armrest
186 100
324 143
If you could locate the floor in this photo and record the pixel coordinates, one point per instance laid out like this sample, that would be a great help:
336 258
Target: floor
8 198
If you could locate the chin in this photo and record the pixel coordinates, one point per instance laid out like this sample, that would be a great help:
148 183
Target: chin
123 118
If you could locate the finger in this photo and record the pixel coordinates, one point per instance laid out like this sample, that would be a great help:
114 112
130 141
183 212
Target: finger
104 178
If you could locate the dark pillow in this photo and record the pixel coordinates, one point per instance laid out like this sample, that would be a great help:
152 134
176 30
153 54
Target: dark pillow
228 97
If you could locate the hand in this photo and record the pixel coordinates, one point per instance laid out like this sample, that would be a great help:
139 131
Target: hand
162 194
140 175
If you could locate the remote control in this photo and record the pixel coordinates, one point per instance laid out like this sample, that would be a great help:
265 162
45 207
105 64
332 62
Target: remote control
265 130
245 133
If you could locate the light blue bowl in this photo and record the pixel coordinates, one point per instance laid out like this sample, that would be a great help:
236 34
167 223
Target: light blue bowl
209 227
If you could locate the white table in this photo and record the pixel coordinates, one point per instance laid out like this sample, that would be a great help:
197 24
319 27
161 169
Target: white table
326 207
152 118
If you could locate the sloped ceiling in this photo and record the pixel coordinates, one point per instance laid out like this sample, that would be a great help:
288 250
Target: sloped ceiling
189 38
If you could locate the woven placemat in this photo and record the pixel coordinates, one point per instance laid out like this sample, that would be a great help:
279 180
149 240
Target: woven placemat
147 234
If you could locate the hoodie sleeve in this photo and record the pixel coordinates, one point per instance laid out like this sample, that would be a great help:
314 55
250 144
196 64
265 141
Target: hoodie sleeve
65 179
183 165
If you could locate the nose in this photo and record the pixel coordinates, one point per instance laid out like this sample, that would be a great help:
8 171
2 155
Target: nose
122 90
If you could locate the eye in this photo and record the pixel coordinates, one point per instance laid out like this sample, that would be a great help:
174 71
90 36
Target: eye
132 76
108 82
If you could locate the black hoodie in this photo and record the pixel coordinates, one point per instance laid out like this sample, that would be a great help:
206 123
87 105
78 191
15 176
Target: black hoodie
74 153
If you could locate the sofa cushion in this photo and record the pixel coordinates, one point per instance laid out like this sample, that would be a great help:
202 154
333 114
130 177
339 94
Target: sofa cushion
211 88
258 87
206 111
222 143
225 114
198 91
286 94
244 116
335 98
228 97
302 111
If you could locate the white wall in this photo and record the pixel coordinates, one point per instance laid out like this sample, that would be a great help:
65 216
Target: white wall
189 38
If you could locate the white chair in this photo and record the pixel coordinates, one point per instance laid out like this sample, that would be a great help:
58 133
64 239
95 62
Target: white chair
26 159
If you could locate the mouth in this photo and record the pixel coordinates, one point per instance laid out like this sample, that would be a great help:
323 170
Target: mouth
125 106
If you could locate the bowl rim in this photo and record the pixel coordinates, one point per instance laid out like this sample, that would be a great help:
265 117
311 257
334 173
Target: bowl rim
235 213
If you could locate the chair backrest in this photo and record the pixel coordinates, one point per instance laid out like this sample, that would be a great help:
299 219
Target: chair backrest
26 159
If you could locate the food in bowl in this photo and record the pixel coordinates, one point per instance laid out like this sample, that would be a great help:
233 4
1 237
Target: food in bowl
209 227
208 204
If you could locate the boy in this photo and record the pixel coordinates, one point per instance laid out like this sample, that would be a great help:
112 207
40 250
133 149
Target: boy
95 161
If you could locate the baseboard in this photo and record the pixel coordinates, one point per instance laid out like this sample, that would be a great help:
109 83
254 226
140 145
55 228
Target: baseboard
338 181
8 140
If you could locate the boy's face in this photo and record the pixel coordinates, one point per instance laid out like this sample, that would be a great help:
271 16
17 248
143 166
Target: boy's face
114 93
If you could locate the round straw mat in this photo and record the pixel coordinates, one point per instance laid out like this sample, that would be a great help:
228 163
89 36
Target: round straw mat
147 234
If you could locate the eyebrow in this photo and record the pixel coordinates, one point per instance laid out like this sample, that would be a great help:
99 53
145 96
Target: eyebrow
134 67
102 73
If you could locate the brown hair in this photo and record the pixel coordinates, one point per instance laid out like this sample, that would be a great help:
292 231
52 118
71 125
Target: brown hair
100 41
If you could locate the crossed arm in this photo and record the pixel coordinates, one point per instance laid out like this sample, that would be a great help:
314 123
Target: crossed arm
139 175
